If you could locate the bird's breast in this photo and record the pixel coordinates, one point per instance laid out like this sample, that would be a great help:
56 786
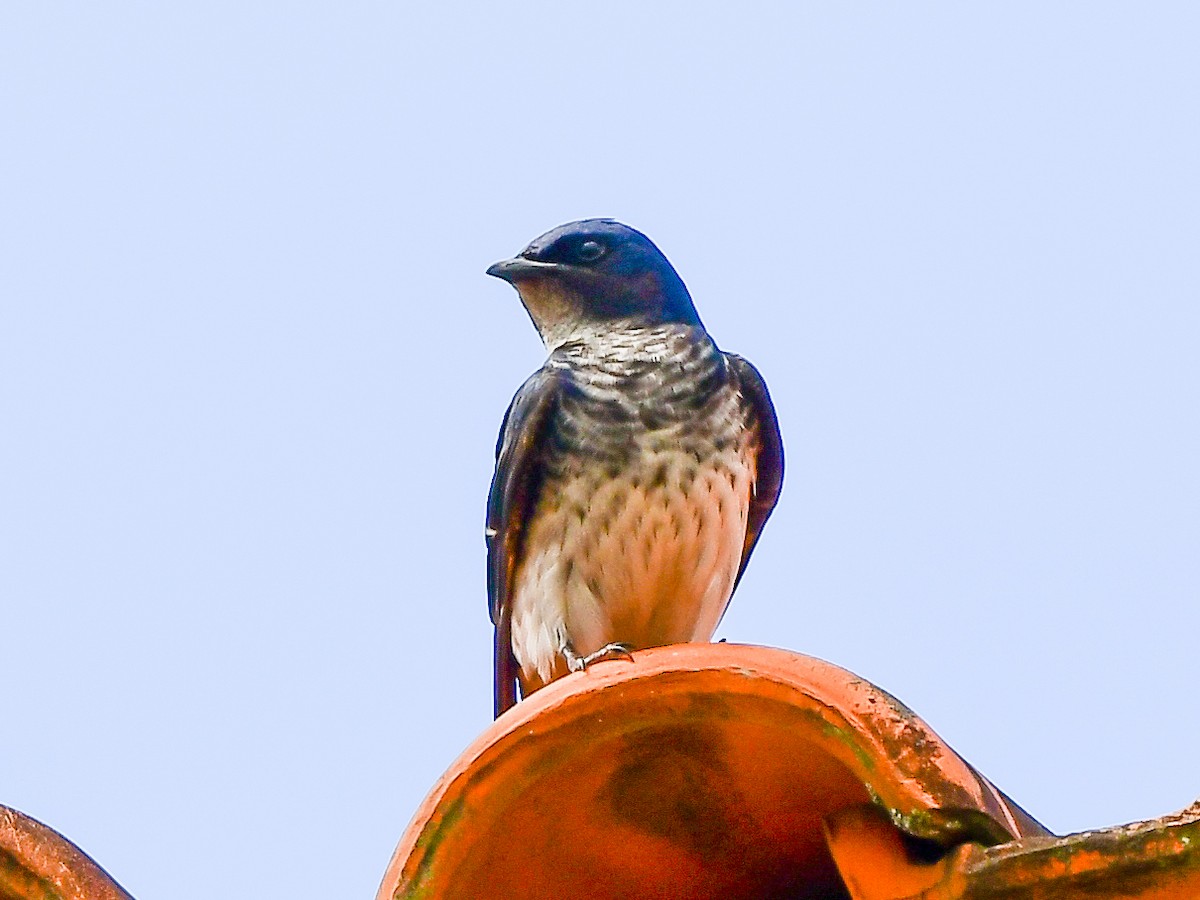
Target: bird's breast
639 524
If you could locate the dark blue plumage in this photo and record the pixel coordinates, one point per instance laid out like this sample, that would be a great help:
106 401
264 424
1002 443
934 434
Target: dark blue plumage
630 276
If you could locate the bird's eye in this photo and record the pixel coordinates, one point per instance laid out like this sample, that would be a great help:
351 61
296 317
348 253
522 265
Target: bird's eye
589 251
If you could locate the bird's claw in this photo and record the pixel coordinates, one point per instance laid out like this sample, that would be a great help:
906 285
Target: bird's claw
577 663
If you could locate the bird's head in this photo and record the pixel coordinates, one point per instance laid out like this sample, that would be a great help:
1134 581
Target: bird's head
592 273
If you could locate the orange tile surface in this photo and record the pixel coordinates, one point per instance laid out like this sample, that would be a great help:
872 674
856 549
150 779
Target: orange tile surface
701 771
38 863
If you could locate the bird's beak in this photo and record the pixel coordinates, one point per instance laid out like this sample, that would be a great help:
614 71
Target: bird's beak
512 270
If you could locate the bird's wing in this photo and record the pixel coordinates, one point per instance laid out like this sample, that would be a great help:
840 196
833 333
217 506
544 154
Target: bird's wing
769 478
510 502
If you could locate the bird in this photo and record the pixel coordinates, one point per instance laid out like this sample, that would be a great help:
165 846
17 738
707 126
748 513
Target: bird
635 469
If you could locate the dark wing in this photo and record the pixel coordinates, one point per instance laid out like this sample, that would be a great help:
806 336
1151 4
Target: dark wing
514 489
769 480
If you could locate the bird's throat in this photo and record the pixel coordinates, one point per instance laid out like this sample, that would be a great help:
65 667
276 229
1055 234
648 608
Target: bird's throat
554 310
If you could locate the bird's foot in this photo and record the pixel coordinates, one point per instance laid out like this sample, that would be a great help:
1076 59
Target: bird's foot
577 663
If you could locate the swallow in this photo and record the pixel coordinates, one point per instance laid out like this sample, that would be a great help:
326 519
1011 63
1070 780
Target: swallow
635 469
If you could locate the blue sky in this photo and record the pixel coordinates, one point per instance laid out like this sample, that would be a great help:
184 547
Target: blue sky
251 373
